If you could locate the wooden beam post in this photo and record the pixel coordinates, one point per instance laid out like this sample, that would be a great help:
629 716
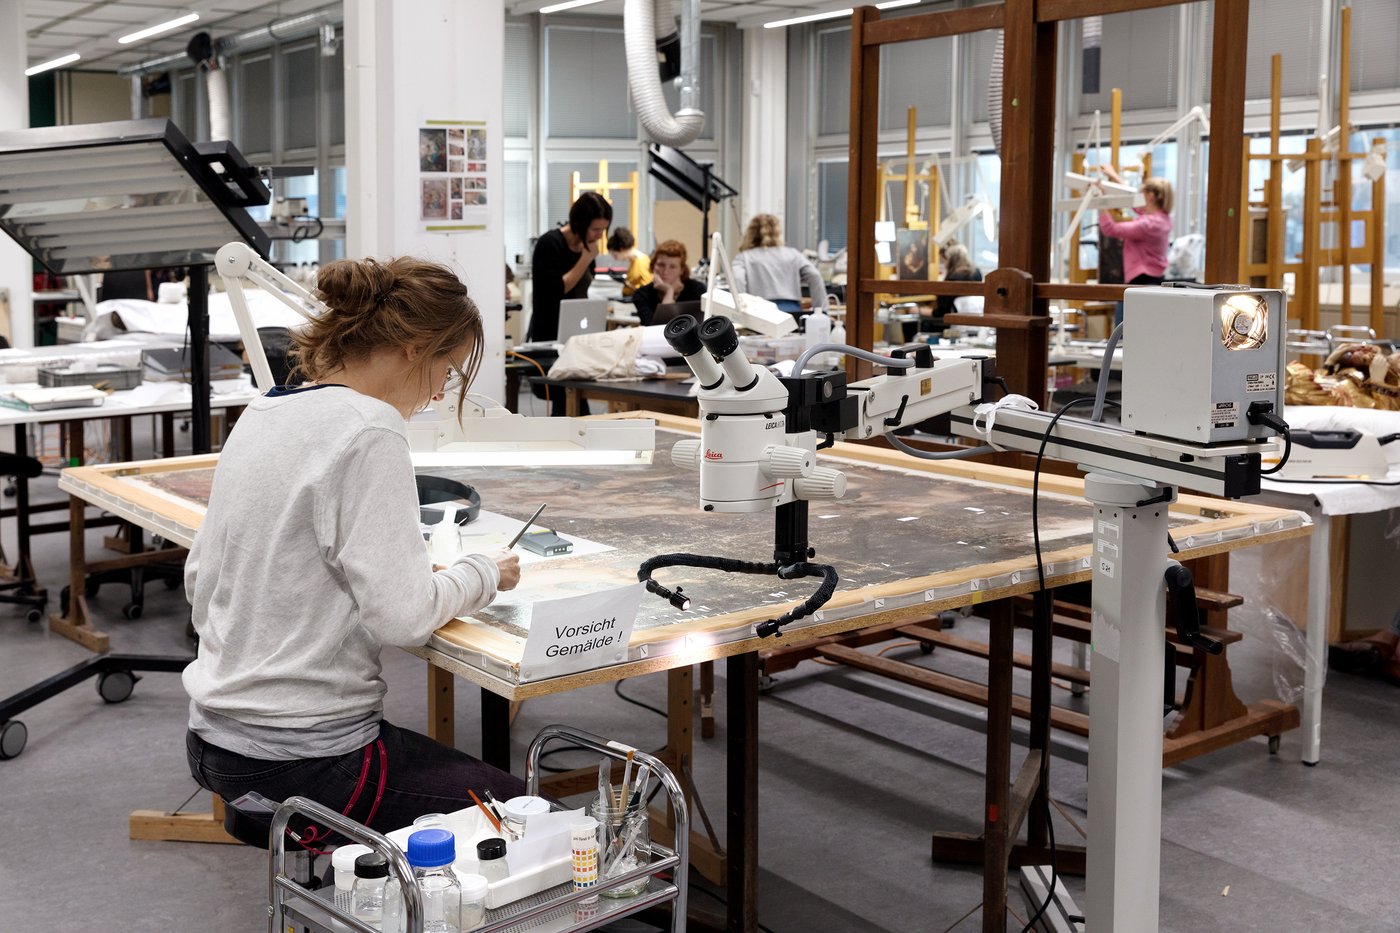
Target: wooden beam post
863 200
1227 144
1027 182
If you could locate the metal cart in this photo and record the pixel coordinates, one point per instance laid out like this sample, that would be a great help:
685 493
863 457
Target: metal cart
293 907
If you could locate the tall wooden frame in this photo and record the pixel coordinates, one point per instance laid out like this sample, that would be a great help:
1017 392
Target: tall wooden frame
1016 297
1017 292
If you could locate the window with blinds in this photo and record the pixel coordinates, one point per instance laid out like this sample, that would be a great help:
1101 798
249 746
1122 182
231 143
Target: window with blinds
833 81
253 104
915 74
1292 28
832 185
1375 27
1138 55
586 79
517 210
519 80
984 47
301 67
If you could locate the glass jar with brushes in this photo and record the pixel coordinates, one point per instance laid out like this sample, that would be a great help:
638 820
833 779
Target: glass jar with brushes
624 843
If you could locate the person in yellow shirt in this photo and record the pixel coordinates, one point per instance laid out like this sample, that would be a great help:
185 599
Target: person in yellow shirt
622 246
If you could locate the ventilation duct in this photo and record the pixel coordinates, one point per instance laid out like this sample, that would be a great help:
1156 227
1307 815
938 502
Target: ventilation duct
649 25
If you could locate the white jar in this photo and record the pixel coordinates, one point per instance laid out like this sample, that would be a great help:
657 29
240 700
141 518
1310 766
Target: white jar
474 888
518 811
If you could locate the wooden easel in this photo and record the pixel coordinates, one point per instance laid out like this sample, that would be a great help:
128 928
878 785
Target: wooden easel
910 178
606 187
1082 274
1262 261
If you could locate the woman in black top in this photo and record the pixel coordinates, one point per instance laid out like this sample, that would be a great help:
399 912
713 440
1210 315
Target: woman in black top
562 264
670 283
959 269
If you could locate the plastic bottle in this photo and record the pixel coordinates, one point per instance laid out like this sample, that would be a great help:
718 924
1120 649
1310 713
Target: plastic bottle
491 860
431 853
367 900
818 330
343 861
838 335
474 889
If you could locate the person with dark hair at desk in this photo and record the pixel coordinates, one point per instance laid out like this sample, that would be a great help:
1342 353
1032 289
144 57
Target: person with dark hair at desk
562 264
671 282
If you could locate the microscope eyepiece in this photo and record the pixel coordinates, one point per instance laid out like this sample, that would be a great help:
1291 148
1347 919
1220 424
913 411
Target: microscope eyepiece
683 334
719 337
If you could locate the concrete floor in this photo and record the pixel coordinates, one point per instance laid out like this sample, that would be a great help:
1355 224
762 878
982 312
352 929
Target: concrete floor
856 773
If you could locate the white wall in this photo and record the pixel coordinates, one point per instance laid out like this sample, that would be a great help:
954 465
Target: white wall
16 268
406 63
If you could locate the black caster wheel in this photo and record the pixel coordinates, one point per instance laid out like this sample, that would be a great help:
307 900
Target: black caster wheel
10 490
925 648
947 620
116 686
13 736
1274 742
34 615
63 600
131 611
766 683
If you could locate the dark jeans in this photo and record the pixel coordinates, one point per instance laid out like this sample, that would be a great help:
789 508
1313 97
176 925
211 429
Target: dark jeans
415 776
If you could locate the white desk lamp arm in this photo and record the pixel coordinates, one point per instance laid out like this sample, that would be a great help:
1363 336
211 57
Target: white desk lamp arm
237 262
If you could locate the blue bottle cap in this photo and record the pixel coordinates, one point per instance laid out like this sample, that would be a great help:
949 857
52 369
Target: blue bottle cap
431 848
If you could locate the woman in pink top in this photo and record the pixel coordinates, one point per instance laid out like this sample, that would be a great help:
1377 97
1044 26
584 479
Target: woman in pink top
1145 239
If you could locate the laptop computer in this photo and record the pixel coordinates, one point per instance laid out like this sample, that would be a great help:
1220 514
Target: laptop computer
582 316
667 313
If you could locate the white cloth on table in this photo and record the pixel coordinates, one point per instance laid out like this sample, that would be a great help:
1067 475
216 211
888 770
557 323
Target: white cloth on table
171 318
1346 498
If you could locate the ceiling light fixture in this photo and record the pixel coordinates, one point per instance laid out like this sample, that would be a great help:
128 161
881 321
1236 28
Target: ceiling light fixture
158 29
567 5
891 4
810 18
50 65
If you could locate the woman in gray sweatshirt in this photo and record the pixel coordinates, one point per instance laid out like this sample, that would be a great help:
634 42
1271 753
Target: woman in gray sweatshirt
768 269
310 560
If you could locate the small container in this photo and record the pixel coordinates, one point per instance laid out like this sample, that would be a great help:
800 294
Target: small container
624 843
371 877
343 861
432 821
583 845
431 853
491 860
518 811
474 889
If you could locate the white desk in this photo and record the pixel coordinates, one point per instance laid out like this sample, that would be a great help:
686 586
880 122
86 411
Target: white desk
1322 501
151 398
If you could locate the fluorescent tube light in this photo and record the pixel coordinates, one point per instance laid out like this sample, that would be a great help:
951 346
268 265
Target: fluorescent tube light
568 5
810 18
50 65
891 4
158 29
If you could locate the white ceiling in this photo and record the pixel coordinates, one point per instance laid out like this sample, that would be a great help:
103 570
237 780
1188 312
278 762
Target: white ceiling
91 27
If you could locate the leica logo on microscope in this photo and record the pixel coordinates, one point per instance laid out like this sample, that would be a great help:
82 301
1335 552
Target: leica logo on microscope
713 454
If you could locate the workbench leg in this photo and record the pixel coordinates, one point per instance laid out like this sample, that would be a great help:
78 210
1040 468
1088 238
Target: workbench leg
24 562
1315 661
442 713
997 841
707 699
571 402
77 624
495 730
741 800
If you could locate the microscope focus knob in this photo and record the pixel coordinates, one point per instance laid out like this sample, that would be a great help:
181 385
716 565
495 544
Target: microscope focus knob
823 483
788 462
686 454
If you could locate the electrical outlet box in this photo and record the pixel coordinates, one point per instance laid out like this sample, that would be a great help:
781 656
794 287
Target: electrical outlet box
1196 358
